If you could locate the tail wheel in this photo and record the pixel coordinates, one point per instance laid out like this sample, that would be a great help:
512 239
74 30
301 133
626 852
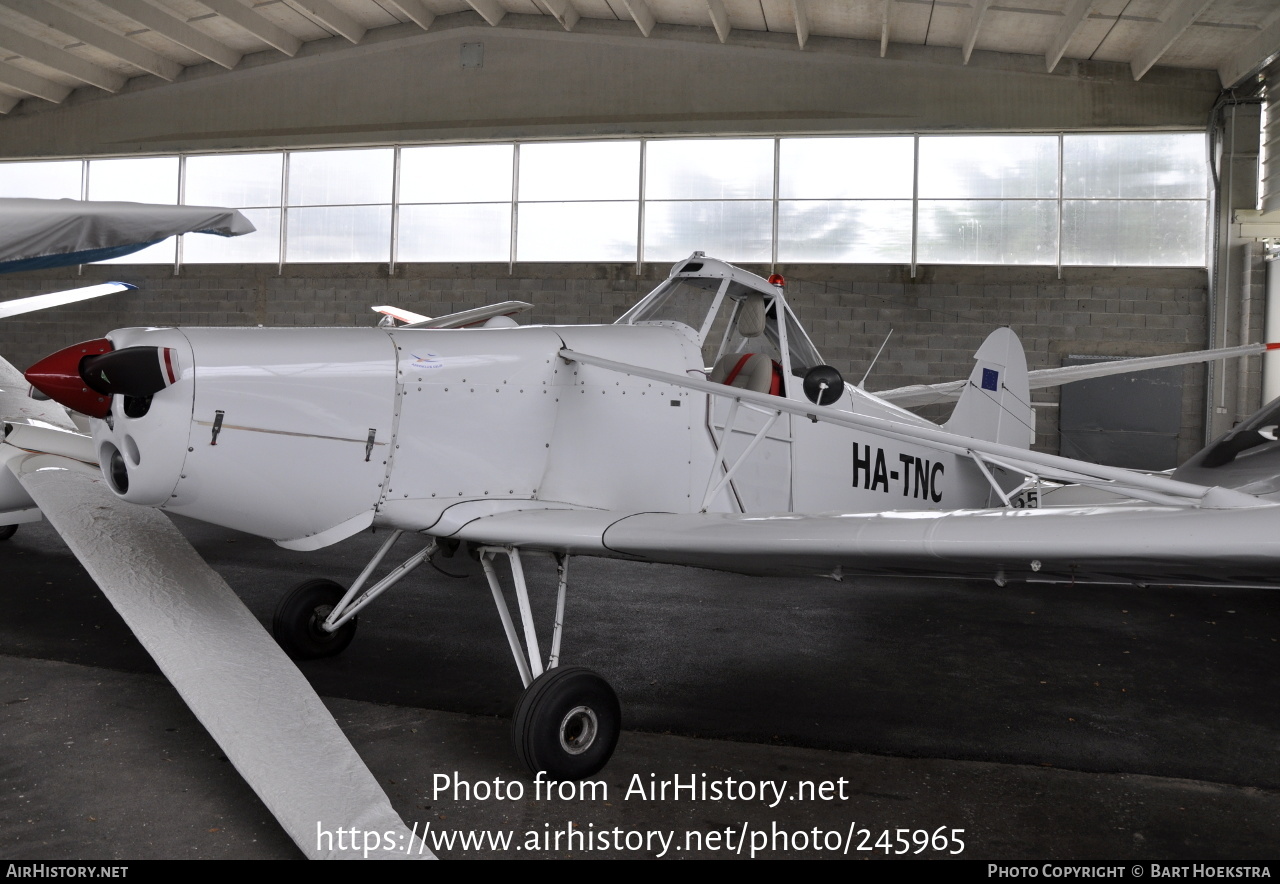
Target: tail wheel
298 618
567 723
7 531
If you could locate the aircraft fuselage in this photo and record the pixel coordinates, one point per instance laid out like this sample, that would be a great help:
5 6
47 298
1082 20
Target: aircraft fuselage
306 436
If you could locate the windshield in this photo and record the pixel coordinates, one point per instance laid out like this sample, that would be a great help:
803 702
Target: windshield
800 349
688 300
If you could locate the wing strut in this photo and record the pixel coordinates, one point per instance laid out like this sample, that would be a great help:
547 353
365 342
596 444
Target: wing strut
1156 489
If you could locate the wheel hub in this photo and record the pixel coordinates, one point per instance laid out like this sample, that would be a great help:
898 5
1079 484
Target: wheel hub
578 730
316 625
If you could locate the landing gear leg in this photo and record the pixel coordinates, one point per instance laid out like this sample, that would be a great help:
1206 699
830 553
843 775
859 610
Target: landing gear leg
318 617
568 719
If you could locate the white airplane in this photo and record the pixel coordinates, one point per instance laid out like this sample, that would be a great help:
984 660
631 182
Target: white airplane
702 428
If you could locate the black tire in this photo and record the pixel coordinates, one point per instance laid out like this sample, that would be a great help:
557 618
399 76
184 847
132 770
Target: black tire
296 624
566 723
8 531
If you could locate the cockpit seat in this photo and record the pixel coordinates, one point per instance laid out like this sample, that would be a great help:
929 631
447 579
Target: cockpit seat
748 371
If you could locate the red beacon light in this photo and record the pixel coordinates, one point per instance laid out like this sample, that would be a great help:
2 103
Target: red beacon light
776 279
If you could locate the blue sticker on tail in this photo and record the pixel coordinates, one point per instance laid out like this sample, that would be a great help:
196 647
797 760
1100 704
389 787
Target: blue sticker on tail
990 379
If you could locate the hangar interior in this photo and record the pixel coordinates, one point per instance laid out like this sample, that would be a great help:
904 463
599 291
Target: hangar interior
1100 175
914 166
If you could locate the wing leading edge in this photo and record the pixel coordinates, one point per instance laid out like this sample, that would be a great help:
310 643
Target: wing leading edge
1129 542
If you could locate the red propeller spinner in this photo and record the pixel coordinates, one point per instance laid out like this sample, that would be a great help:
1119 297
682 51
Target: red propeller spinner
85 376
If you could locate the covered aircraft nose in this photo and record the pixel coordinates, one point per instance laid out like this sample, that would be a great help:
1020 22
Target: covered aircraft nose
85 376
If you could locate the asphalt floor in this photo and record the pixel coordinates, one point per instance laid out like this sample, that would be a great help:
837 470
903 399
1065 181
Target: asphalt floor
1026 722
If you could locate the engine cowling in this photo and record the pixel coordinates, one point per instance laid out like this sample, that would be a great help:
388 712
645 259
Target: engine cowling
283 433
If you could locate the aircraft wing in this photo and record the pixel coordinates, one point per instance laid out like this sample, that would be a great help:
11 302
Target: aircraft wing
400 314
36 234
474 316
1154 529
461 319
949 391
18 306
1123 542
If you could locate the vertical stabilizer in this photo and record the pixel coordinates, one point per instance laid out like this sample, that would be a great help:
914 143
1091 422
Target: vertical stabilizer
996 403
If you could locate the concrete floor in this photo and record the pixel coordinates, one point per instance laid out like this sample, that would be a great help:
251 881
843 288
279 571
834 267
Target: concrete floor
1047 722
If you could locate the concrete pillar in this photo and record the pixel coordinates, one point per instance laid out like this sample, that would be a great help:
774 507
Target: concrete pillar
1271 362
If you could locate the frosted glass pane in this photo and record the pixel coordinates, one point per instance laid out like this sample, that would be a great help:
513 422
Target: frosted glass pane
141 180
465 173
340 177
260 247
577 231
1163 165
235 180
601 170
731 231
846 168
342 233
720 168
840 231
989 166
988 232
163 252
1169 233
459 232
43 181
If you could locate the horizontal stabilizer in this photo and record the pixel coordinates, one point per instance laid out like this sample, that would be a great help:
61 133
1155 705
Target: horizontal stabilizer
917 395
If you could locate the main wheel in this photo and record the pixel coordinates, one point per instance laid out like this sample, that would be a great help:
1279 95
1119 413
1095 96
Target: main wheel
296 624
8 531
566 723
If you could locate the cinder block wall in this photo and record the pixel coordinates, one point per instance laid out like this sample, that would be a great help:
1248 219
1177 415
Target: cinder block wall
939 318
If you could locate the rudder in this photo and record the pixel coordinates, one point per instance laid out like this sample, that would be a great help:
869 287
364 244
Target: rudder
996 404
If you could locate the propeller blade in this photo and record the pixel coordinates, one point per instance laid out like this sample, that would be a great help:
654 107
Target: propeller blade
134 371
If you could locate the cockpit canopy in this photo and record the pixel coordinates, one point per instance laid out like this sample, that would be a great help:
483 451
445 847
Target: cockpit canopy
731 313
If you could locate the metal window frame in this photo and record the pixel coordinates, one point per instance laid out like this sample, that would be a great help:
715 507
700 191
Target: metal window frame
642 200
